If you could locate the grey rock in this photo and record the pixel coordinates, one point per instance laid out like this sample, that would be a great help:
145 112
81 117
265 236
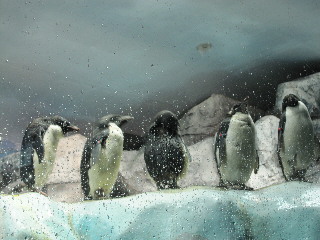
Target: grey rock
313 173
267 140
317 148
68 158
9 169
316 127
202 170
203 120
64 182
69 192
134 172
6 147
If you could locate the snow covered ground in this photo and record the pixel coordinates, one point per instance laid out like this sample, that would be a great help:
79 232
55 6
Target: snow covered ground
285 211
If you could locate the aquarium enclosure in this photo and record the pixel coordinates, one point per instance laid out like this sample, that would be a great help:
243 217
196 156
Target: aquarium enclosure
169 120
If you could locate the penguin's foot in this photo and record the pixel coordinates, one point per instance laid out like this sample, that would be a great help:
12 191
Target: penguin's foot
247 188
233 186
173 186
19 188
43 193
39 191
298 175
87 198
100 194
303 179
167 185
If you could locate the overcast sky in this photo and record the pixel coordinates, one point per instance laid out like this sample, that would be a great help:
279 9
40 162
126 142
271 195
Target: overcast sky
85 59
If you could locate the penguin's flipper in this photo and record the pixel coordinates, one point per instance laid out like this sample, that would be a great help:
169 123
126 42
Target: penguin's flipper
31 144
37 144
280 147
221 142
185 151
177 153
281 128
95 153
220 150
87 161
317 148
26 153
216 147
96 145
151 157
183 157
84 168
257 163
26 163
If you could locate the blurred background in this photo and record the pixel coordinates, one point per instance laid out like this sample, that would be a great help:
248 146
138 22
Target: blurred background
85 59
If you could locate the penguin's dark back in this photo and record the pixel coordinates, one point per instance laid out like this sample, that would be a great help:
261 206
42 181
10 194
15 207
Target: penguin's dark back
164 154
30 141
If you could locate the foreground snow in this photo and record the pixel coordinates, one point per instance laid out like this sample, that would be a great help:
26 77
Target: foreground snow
285 211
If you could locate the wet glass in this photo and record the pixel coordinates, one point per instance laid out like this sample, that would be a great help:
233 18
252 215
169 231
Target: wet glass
159 120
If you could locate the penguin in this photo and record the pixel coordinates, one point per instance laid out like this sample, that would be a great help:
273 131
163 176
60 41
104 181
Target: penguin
39 147
295 139
235 148
165 154
101 157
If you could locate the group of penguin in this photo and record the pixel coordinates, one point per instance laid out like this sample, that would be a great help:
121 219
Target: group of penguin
165 154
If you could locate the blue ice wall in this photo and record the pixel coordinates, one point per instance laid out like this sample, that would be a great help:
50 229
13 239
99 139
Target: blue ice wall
286 211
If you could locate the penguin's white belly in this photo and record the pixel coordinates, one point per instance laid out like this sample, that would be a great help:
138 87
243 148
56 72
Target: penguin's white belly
44 169
103 174
298 149
240 151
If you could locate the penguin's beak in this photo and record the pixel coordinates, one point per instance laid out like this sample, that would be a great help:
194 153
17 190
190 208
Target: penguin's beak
73 128
244 104
246 99
125 119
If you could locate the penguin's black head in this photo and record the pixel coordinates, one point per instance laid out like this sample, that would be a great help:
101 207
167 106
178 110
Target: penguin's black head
113 118
167 122
64 124
241 107
290 100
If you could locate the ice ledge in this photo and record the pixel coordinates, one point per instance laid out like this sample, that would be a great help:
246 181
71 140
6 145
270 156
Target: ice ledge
284 211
